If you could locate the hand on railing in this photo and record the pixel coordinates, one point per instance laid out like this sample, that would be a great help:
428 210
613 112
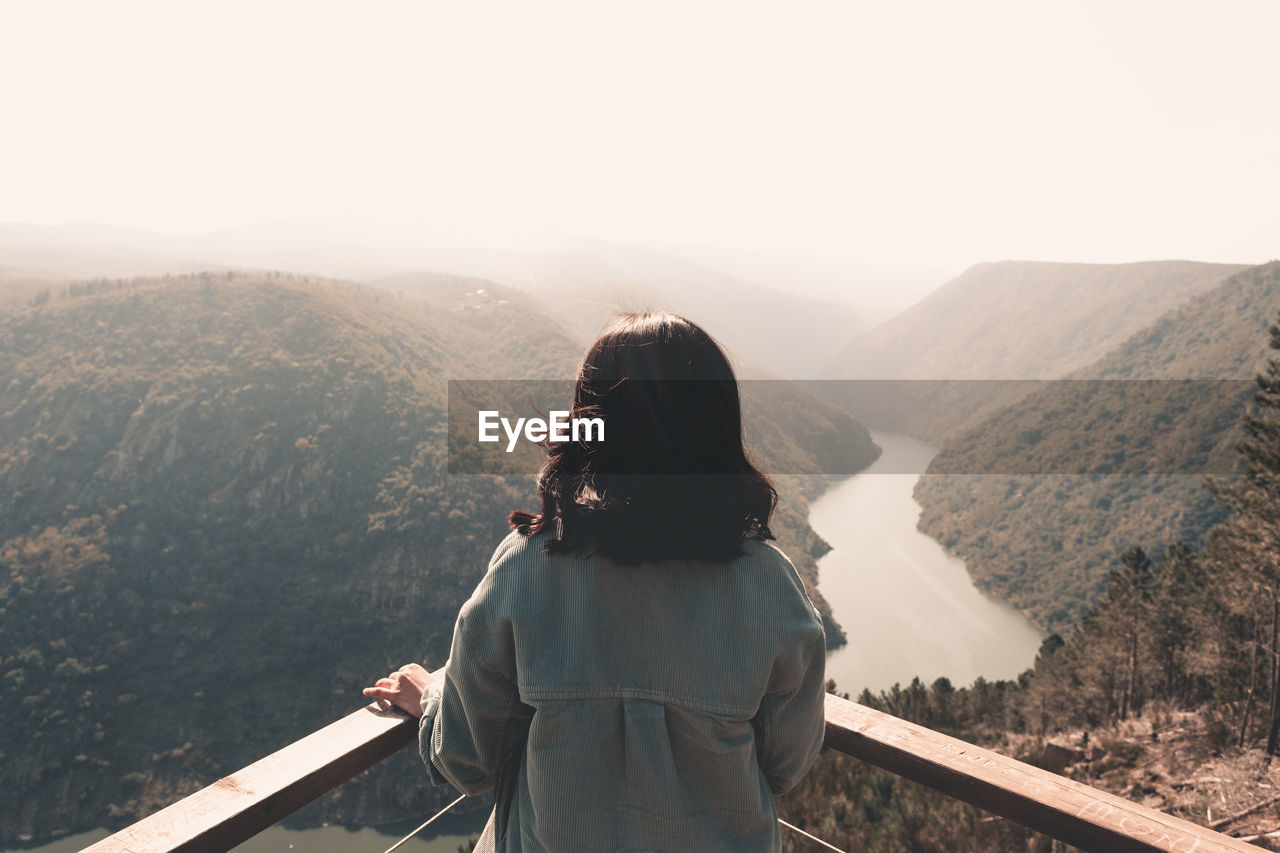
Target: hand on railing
403 688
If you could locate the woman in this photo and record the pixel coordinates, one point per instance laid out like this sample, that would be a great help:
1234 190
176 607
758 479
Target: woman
639 669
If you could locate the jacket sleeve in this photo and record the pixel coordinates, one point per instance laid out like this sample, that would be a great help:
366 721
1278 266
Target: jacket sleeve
791 721
473 718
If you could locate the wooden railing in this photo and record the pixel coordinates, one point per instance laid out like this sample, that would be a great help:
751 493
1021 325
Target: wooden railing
240 805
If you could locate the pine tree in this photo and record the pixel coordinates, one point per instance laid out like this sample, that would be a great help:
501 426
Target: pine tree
1183 608
1129 600
1251 539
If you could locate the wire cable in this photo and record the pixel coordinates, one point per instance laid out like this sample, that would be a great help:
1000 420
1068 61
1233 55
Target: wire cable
813 838
430 820
433 818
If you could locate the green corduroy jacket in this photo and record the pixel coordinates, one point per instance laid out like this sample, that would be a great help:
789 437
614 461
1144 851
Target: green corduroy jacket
649 707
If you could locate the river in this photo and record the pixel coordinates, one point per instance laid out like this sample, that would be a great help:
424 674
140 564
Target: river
907 607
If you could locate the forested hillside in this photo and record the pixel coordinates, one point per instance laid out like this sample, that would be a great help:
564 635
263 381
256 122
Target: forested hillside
1024 319
17 293
580 308
1167 691
1013 320
224 509
1045 542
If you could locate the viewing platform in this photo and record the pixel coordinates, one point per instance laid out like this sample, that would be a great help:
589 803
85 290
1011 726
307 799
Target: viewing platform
248 801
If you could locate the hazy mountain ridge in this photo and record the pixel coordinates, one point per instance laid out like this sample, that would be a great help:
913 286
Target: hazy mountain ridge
580 309
1010 321
1024 319
789 334
1046 542
874 293
1203 339
794 336
201 476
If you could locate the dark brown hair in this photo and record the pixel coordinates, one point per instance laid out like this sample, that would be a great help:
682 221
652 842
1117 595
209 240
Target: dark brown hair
671 480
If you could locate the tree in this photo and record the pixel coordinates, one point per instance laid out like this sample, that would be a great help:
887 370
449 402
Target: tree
1129 601
1185 613
1251 537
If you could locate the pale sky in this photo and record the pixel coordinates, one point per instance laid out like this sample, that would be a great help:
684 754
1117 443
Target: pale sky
916 134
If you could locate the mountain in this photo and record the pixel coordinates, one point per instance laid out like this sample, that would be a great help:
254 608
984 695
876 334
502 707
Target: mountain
225 507
1024 320
18 293
1159 690
1011 321
1128 457
791 335
64 253
785 332
874 293
580 307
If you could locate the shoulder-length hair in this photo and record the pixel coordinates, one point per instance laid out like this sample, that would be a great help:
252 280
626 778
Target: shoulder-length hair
671 479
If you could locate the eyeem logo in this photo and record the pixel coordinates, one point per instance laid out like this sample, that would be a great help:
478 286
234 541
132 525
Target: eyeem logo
560 427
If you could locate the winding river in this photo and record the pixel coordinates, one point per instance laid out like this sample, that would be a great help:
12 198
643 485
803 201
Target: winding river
907 607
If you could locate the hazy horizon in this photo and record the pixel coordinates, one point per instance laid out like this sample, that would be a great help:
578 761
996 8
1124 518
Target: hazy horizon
920 136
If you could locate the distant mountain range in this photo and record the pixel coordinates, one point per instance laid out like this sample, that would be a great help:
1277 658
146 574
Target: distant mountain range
875 293
773 332
779 325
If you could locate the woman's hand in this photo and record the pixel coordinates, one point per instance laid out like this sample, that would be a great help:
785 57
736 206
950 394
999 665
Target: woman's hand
402 688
